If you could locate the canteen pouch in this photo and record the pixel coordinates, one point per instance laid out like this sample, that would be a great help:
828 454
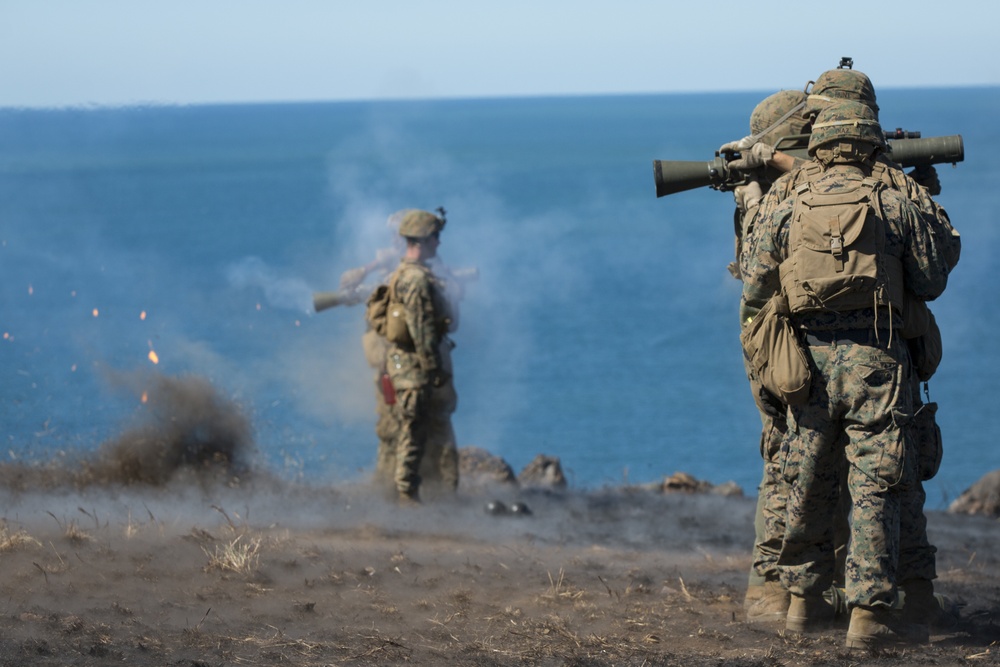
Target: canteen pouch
927 434
774 353
396 330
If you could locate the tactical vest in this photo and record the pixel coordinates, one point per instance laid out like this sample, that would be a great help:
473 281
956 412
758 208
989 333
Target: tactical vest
836 250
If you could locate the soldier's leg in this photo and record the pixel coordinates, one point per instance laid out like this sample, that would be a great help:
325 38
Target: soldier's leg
767 600
774 490
876 390
387 430
811 464
410 409
917 556
448 458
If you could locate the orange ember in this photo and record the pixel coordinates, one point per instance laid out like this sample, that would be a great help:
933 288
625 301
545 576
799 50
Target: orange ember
152 357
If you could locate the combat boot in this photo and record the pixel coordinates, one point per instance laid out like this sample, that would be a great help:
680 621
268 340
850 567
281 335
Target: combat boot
808 614
409 498
921 605
879 627
771 606
754 593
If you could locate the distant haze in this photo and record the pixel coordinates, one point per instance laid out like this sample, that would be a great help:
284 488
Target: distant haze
118 52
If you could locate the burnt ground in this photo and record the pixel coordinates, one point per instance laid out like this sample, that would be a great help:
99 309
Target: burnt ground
166 547
199 573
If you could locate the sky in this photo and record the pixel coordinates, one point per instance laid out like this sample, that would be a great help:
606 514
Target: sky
127 52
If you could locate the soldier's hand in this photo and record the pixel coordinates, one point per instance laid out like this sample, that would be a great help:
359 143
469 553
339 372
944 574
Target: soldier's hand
747 196
739 145
755 157
926 175
352 278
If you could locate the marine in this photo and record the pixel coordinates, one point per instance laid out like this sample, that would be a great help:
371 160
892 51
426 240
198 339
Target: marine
440 466
765 599
415 323
845 250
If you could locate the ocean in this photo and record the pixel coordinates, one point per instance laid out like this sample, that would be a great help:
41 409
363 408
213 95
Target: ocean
186 241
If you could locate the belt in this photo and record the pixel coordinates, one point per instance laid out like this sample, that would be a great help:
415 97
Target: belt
870 337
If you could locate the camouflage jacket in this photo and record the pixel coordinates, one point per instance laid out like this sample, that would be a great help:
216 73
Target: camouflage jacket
910 236
428 319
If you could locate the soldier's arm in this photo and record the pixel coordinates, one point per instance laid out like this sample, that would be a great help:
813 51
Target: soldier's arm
947 236
925 264
763 252
420 320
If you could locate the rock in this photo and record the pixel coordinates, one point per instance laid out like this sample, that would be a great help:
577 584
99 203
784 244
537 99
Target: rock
682 482
729 488
983 497
477 467
543 472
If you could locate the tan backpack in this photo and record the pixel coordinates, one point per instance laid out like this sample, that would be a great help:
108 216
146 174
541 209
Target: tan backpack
836 252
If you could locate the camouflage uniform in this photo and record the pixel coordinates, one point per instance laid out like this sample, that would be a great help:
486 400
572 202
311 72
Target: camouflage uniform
917 554
420 369
440 464
773 118
859 400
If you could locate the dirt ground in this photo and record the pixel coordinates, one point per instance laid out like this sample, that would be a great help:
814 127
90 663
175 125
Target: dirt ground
196 574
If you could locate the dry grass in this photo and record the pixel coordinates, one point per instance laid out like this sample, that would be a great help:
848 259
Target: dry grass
240 556
13 541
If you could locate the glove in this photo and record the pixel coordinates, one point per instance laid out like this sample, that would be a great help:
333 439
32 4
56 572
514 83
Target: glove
739 145
926 176
352 278
769 404
754 157
747 196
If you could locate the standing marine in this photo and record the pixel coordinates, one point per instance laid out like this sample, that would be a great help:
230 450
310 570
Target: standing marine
415 323
844 250
766 598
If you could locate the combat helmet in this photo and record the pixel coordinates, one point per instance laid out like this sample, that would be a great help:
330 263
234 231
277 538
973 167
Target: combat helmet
778 116
841 84
846 120
417 224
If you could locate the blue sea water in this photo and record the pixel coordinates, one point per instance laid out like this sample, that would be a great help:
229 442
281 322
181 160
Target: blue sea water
602 329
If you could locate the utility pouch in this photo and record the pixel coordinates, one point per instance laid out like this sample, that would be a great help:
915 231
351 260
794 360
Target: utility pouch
396 330
377 308
927 434
774 353
926 351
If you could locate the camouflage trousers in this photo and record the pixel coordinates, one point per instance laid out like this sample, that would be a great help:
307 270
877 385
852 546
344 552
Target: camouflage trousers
421 454
439 464
854 420
917 556
917 559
